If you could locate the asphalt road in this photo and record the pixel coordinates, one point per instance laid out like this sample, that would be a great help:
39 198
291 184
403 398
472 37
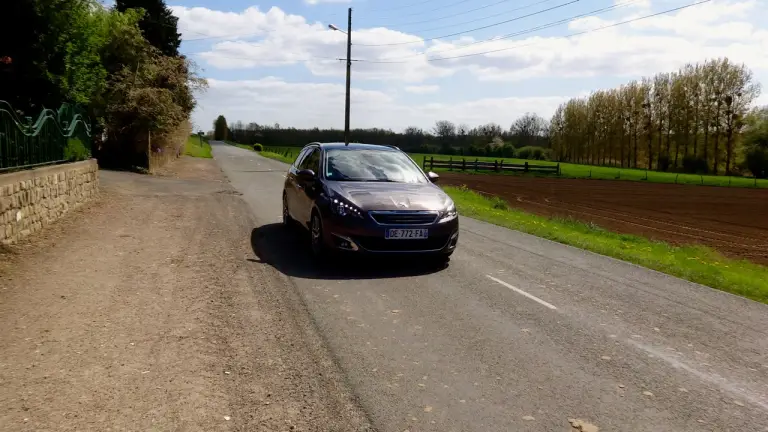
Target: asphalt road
519 333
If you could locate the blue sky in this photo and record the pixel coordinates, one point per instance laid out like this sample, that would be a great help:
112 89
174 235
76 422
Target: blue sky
274 61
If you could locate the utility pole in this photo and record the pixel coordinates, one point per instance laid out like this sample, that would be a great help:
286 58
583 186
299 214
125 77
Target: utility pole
349 76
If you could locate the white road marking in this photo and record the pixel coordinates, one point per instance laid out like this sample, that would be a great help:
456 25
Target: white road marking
521 292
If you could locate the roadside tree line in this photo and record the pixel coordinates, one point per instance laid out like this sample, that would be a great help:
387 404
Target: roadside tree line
698 120
690 120
121 64
527 134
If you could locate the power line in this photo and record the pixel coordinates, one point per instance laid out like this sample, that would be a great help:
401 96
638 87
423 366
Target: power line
387 9
563 37
400 7
464 13
474 29
431 10
526 31
242 35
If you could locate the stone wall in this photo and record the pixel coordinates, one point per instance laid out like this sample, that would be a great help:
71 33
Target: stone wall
31 199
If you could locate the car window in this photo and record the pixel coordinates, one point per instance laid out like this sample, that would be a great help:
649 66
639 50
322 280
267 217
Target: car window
372 165
300 157
311 161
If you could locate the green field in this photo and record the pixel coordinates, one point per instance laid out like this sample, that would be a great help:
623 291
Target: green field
694 263
194 148
569 170
278 153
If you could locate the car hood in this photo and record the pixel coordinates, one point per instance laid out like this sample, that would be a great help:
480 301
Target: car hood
391 196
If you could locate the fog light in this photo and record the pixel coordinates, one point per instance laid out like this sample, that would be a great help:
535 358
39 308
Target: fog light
345 243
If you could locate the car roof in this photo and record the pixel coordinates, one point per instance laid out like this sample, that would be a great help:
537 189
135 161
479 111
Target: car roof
354 146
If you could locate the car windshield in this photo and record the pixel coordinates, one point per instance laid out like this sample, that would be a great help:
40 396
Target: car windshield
371 165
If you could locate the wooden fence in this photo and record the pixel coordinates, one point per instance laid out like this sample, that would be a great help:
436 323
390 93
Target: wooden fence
496 165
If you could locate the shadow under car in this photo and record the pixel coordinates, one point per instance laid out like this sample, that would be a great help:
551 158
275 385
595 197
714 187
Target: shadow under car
288 251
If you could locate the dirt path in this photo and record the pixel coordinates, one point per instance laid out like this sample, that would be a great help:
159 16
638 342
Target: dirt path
146 311
727 219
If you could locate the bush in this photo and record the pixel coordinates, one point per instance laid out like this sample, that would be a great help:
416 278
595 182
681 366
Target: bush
76 151
258 147
533 153
694 164
756 161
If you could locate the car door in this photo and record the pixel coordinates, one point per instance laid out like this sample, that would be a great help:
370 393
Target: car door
292 185
305 190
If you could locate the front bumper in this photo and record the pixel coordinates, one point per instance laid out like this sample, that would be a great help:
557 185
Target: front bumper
365 236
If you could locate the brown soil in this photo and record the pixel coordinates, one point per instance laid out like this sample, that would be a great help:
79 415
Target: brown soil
147 311
731 220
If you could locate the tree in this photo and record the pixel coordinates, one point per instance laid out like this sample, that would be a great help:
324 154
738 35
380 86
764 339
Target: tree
220 128
528 129
158 24
444 129
756 142
55 53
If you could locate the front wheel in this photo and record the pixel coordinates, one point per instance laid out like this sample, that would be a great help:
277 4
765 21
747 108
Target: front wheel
316 231
287 220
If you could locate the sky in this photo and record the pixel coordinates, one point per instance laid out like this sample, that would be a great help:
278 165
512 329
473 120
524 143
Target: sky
466 61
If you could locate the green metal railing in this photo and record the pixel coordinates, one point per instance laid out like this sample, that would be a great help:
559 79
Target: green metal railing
56 136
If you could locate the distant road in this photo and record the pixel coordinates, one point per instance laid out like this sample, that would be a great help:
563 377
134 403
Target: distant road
522 334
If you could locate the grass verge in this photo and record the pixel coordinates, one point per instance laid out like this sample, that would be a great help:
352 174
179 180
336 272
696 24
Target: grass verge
694 263
267 154
277 156
195 148
242 146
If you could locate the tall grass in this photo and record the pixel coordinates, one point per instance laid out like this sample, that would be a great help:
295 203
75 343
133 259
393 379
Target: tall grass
195 148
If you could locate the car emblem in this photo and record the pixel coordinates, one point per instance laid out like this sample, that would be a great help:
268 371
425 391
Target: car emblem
402 204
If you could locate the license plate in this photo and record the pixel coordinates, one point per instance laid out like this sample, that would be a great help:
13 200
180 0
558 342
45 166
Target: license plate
406 234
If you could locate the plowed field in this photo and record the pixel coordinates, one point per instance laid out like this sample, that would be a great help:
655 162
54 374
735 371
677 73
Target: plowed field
732 220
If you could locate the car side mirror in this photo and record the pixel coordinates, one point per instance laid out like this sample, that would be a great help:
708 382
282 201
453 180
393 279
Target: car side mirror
306 175
433 177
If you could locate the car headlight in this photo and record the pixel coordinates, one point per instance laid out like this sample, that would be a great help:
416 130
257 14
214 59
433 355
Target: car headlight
449 213
341 208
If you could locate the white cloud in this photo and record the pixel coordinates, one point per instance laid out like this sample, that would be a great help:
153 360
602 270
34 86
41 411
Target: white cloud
255 39
273 100
716 29
422 89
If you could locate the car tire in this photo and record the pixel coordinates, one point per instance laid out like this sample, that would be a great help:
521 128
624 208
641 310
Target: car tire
288 221
316 237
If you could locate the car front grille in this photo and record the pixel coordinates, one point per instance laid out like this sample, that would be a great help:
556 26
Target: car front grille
379 244
404 217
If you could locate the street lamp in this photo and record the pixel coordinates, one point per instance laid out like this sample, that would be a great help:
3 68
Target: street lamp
349 71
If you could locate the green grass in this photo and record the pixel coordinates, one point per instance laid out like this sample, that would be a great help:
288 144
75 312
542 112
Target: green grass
242 146
277 156
195 149
569 170
276 153
695 263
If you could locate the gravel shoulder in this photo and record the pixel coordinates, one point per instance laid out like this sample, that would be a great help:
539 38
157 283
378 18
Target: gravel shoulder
147 310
